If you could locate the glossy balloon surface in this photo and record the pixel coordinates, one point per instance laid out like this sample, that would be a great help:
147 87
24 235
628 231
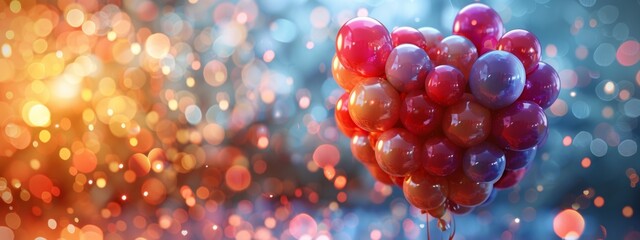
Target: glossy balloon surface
408 35
343 119
510 178
520 126
432 38
458 52
445 85
362 149
420 115
480 24
363 45
374 105
497 79
466 123
484 162
425 191
441 156
407 67
524 45
398 152
519 159
345 78
542 86
466 192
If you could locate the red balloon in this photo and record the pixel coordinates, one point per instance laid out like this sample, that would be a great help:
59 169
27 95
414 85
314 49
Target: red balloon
510 178
374 105
441 156
458 52
345 78
458 209
542 86
420 115
425 191
445 85
467 123
480 24
378 174
363 45
361 148
466 192
520 126
524 45
432 38
408 35
439 211
398 152
343 119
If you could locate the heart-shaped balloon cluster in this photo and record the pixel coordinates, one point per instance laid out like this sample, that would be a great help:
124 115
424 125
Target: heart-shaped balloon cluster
447 119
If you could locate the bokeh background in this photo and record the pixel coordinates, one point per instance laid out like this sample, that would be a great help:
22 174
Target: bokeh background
212 119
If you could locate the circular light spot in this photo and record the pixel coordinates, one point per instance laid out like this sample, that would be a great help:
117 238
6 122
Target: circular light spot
85 160
632 108
580 109
608 14
238 178
215 73
568 224
157 45
598 147
303 225
193 114
153 191
6 233
621 31
627 211
320 17
604 54
628 53
38 115
139 164
627 148
326 155
75 17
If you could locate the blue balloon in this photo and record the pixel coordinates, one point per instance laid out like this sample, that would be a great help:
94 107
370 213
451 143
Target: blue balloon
497 79
519 159
484 162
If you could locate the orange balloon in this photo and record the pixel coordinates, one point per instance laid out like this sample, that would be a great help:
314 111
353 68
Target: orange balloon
346 79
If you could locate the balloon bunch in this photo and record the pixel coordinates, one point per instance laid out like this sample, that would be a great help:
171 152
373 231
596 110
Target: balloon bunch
449 120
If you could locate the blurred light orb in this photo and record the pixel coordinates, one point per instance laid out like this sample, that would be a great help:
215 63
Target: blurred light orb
38 114
238 178
303 225
326 155
157 45
568 224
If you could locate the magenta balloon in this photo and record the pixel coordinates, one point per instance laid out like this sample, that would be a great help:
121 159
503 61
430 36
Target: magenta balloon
520 126
542 86
480 24
363 45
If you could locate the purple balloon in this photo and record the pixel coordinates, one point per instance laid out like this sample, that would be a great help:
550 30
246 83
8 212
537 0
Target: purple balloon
542 86
441 156
519 159
497 79
407 67
484 162
520 126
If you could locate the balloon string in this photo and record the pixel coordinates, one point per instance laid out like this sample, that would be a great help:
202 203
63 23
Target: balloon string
428 233
453 230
